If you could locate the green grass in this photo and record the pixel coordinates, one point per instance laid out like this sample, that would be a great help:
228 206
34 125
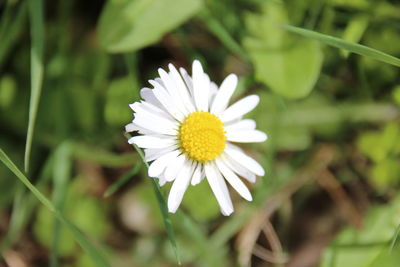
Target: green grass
37 70
96 256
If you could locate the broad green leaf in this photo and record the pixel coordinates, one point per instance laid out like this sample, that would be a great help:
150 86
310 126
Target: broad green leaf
78 235
288 66
127 26
37 47
346 45
291 72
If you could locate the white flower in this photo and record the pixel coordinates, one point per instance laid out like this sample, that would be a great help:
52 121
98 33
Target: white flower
188 131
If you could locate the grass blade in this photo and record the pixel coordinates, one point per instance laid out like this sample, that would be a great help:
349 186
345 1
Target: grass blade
37 35
96 256
394 239
17 218
24 205
61 174
346 45
223 35
122 180
163 207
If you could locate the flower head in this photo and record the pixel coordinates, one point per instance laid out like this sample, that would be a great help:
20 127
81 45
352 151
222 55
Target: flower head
187 130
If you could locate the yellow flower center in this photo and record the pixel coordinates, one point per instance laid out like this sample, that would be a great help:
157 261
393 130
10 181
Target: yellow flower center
202 136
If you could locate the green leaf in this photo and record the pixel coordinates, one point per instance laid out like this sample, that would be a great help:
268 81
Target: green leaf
37 35
78 235
346 45
289 66
126 25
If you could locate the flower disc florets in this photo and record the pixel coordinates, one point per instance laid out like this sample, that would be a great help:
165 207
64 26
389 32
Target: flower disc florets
202 136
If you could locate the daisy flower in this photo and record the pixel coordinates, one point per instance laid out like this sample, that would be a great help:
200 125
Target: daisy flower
188 131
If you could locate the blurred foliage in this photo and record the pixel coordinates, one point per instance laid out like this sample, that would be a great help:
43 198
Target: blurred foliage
287 64
141 22
368 247
98 54
383 148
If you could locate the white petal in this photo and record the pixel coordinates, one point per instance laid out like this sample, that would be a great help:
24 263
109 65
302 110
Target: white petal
159 165
131 127
234 180
246 124
151 154
244 136
182 88
160 111
167 101
188 81
156 124
148 95
158 81
179 187
134 127
196 179
224 94
240 108
161 180
213 92
218 186
151 141
244 160
173 90
172 170
201 87
239 169
146 108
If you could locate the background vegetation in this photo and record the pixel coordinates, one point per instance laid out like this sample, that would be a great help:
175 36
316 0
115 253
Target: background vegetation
74 193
